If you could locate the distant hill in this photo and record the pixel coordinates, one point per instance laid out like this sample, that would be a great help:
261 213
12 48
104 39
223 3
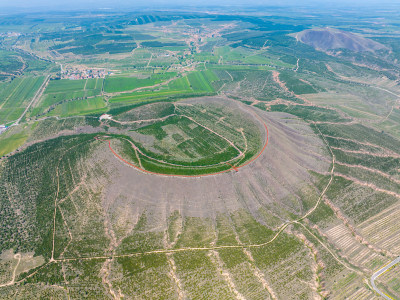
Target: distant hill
328 38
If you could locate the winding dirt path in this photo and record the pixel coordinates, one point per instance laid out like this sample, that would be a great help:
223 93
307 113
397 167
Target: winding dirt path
211 248
330 180
143 121
140 88
379 273
35 98
241 246
12 281
200 175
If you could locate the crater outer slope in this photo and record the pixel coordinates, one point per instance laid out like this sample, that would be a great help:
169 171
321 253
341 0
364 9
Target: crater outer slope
279 171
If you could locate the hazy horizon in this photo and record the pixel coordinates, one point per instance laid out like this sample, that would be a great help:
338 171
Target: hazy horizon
46 5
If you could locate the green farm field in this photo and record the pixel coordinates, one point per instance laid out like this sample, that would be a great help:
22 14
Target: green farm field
119 84
60 92
80 107
194 84
16 95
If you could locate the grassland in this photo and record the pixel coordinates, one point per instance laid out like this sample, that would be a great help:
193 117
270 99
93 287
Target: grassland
11 143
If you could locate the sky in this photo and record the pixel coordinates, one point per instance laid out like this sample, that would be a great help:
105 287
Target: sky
43 5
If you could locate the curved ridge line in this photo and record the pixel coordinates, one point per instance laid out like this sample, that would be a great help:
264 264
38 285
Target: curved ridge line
188 176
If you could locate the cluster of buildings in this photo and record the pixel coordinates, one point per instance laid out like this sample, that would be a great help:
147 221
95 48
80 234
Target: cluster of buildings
3 128
9 34
75 74
105 117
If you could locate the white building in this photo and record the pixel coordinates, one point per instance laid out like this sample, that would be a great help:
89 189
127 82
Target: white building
105 117
3 128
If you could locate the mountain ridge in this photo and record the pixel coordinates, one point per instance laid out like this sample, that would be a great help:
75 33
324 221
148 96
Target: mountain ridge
329 39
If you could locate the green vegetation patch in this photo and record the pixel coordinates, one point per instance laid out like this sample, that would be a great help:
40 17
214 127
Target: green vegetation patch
241 271
67 98
16 95
249 230
11 63
147 112
201 81
197 232
120 84
197 145
296 85
141 239
65 85
36 200
193 85
146 276
199 276
80 107
11 143
310 113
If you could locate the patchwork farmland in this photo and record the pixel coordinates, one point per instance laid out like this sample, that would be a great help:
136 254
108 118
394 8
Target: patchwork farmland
199 155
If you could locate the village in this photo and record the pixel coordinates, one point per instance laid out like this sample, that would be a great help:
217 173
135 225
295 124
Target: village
9 34
3 128
76 73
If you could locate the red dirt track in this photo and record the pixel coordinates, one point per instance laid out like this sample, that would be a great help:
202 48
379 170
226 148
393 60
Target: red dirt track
200 175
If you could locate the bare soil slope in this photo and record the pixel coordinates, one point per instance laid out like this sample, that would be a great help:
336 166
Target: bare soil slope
328 38
280 171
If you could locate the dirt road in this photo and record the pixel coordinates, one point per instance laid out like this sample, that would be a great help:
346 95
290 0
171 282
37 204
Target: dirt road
35 98
379 273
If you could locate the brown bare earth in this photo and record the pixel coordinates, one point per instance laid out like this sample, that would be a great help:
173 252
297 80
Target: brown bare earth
281 170
329 38
112 208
